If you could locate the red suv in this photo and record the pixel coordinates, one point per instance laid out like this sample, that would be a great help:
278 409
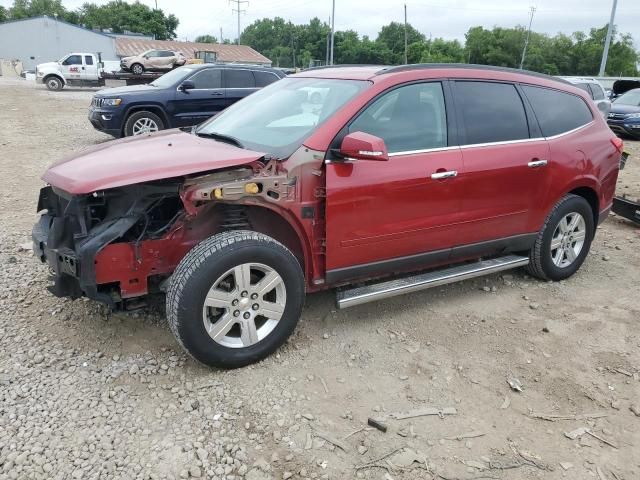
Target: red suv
324 179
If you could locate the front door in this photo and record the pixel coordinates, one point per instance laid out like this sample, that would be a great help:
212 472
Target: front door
198 104
398 215
72 68
505 164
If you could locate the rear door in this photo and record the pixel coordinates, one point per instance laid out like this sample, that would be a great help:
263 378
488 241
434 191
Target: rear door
396 215
89 69
198 104
238 83
505 163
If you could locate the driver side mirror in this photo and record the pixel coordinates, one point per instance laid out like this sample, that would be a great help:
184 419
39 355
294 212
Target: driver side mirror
363 146
186 85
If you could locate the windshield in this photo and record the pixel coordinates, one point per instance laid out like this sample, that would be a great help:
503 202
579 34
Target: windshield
171 78
278 118
629 98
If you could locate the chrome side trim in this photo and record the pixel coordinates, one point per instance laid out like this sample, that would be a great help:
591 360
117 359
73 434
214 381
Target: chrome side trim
425 150
571 131
379 291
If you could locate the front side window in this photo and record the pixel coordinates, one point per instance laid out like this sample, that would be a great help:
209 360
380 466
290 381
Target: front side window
152 54
73 60
491 112
408 118
557 112
236 78
173 77
209 78
279 117
585 87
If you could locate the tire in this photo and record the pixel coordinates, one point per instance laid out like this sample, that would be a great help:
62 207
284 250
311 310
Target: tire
53 83
137 69
135 124
209 272
549 263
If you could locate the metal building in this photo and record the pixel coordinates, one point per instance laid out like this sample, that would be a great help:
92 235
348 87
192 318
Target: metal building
45 39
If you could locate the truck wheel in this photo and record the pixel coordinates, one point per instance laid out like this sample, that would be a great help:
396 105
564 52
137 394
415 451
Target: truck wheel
235 298
142 122
54 83
137 69
564 241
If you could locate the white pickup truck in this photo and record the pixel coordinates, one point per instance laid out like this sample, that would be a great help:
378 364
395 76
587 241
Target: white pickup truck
85 70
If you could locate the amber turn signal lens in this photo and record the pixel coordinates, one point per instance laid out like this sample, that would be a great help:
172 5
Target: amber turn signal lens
217 193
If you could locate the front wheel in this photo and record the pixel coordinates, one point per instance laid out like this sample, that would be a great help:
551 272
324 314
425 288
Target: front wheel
235 298
54 83
564 241
141 123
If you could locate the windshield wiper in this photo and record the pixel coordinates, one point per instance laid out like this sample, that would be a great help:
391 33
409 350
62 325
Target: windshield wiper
221 138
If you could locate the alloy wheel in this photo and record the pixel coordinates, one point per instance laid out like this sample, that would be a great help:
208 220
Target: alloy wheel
568 239
244 305
144 125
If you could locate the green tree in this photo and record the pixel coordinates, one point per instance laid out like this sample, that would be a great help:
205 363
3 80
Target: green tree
3 14
392 37
119 16
206 39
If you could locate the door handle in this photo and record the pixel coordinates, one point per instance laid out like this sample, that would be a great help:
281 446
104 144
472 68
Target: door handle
441 175
216 93
536 163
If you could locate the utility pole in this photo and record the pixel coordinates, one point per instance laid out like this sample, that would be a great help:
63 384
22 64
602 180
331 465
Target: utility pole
607 42
333 32
220 41
326 60
526 42
405 34
239 10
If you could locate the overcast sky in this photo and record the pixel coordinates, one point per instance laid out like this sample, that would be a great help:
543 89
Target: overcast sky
440 18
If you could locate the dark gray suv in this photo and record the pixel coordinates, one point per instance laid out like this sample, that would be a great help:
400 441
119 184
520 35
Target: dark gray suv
182 97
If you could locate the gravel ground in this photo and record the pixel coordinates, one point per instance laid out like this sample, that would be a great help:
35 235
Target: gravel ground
88 394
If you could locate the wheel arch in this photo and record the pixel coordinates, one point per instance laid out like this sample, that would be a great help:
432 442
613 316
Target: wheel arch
57 75
151 107
590 195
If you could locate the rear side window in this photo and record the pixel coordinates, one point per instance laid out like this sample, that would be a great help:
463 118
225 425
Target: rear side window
596 92
166 53
264 78
209 78
491 112
557 112
239 78
88 60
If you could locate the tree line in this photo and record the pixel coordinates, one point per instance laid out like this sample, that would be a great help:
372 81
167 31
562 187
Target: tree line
289 45
116 16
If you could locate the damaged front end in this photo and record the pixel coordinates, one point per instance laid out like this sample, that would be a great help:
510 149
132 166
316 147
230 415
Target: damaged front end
120 244
96 244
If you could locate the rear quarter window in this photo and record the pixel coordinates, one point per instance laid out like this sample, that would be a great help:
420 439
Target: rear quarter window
557 112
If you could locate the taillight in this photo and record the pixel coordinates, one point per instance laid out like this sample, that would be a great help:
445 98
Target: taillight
618 143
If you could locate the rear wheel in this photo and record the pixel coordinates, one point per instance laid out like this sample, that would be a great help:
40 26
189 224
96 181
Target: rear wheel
53 83
235 298
141 123
137 69
564 241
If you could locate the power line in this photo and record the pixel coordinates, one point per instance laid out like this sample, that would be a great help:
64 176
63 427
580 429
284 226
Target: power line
239 10
607 42
526 42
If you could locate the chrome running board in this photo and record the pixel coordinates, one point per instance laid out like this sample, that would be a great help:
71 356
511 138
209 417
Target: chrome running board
422 281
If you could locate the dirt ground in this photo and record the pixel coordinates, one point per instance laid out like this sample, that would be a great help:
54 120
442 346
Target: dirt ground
89 394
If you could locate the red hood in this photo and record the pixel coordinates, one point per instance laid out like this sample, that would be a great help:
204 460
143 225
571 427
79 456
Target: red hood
167 154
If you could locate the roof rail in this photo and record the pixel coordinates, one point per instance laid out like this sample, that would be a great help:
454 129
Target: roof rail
345 65
469 66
